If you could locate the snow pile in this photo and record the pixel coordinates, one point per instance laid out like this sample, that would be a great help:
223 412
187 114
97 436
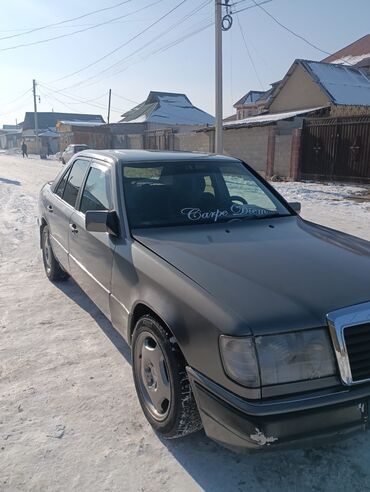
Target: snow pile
69 415
344 207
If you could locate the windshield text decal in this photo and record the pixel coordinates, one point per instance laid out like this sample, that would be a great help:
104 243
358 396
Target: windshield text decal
236 210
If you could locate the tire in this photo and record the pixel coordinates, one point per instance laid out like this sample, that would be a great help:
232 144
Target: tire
53 270
161 381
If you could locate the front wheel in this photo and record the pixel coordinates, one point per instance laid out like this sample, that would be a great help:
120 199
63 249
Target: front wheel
52 267
161 381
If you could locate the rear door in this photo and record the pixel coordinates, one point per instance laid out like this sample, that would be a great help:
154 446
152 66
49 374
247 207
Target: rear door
60 208
91 253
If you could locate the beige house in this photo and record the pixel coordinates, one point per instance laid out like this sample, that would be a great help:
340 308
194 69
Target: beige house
340 90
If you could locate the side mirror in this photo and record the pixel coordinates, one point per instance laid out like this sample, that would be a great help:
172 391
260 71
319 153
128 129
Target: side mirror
102 221
296 206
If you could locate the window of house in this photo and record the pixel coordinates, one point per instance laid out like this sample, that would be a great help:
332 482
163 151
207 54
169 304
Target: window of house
96 194
75 180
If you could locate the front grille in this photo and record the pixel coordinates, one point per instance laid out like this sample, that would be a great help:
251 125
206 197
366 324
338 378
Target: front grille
357 340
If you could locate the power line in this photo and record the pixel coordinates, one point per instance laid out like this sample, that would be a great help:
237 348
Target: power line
18 97
290 30
47 40
121 45
66 20
249 6
161 49
50 92
125 98
249 53
150 42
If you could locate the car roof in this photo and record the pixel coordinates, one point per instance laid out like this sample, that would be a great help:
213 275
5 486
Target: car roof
129 155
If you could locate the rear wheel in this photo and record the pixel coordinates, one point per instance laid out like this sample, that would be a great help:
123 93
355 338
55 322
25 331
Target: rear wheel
52 267
161 381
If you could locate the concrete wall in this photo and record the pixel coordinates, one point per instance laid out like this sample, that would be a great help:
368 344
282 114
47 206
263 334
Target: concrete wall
248 144
283 148
193 142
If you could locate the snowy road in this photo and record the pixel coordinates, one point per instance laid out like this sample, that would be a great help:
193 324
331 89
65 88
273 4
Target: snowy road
69 417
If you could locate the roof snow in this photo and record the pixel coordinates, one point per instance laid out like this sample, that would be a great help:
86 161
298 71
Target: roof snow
266 119
169 109
344 85
352 59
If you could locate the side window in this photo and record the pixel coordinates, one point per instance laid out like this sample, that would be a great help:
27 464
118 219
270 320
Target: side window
96 194
60 188
74 181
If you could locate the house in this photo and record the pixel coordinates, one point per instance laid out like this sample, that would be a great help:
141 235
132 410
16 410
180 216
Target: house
340 90
167 108
10 136
153 123
249 104
355 54
92 133
47 122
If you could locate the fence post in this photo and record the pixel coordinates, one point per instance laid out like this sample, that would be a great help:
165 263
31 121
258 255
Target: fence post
271 140
295 155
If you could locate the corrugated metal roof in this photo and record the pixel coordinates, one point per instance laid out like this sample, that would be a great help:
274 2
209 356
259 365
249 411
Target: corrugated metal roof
266 119
344 85
250 97
49 119
167 108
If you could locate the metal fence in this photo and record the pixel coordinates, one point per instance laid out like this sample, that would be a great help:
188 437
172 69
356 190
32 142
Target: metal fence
336 148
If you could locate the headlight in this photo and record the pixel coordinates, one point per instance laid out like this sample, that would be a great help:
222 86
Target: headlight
239 360
296 356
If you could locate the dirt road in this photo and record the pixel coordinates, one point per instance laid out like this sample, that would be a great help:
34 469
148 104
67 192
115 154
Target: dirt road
69 417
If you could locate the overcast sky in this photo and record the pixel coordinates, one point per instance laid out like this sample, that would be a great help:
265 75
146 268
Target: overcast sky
186 67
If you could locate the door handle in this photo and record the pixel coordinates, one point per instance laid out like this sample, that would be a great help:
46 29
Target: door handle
73 228
50 208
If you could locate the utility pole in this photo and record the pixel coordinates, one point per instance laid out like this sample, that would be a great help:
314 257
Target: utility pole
219 146
35 115
109 99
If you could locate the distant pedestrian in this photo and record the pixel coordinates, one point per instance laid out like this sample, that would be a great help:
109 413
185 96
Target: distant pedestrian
24 149
49 149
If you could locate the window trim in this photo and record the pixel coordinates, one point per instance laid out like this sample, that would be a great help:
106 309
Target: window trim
73 207
101 166
57 183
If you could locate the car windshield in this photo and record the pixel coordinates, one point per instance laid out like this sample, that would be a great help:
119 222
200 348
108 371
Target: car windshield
195 192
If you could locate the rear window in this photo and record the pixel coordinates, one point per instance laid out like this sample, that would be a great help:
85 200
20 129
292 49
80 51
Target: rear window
79 148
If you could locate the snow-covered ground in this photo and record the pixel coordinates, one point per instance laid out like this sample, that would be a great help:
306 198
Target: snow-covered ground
69 417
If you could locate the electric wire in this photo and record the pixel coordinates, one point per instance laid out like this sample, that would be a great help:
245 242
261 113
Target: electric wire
50 92
60 36
249 53
121 45
150 42
66 20
299 36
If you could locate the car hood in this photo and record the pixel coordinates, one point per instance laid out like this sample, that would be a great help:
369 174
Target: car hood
275 275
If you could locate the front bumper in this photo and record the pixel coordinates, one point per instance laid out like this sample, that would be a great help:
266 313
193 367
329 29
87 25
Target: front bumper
305 420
